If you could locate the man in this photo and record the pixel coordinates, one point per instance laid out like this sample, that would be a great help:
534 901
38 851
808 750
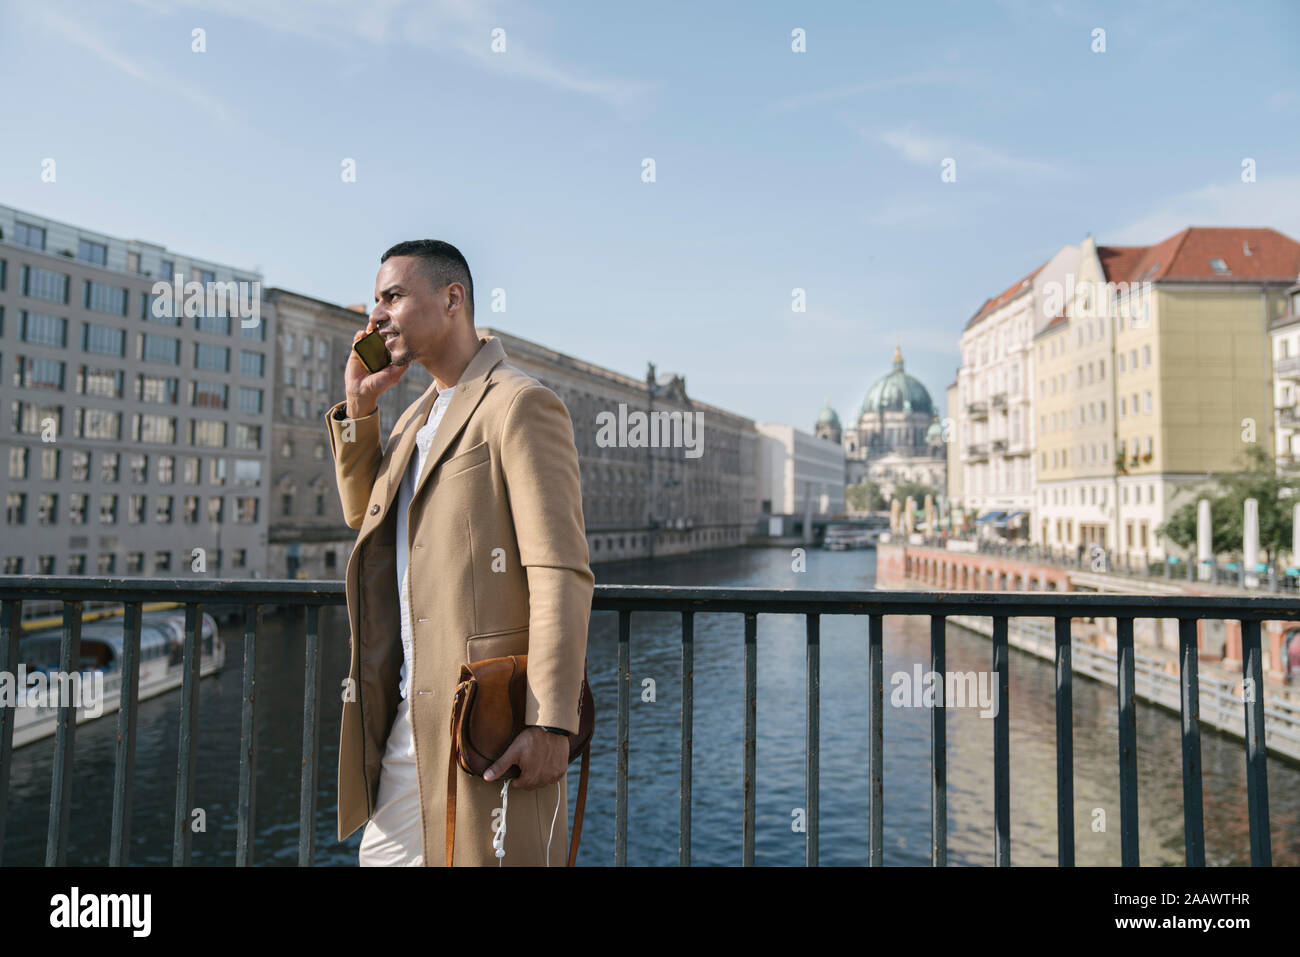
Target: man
471 545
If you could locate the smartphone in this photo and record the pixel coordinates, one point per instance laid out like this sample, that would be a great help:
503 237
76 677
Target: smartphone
374 354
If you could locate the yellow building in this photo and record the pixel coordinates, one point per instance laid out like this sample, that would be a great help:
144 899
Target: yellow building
1167 360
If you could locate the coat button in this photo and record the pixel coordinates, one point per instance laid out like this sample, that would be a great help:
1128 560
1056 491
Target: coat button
374 509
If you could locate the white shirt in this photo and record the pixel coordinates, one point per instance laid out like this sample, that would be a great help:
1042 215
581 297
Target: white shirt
423 440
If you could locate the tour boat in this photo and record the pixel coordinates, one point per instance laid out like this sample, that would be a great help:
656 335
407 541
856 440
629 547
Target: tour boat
162 647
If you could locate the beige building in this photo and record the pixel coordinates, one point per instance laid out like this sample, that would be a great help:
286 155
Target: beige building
1285 335
995 419
1185 357
641 500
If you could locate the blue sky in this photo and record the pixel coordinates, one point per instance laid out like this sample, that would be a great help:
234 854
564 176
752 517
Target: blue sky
775 170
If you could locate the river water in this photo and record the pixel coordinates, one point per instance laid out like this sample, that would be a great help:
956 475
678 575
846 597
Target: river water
654 757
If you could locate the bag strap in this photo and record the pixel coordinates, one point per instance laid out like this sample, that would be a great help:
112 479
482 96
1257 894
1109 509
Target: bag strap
577 811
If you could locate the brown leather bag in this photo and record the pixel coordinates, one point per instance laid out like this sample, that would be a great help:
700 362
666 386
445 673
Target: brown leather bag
488 713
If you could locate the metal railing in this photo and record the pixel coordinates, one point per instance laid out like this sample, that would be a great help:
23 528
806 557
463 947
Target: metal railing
626 600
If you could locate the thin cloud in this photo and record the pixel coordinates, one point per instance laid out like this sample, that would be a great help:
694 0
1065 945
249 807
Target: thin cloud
801 100
134 67
922 150
1272 201
442 26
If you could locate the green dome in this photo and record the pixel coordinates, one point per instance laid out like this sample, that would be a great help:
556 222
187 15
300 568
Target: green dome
935 431
827 416
898 392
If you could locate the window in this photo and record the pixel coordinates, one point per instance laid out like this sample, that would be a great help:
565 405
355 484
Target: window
255 332
149 388
211 358
133 262
306 347
208 395
32 419
46 508
152 311
167 268
290 375
135 563
250 400
33 237
43 284
248 472
96 253
49 465
44 330
97 424
103 340
288 406
16 508
217 472
101 297
246 510
1146 355
219 325
216 507
76 564
1146 401
191 515
17 461
92 380
108 510
80 466
135 509
306 378
107 564
286 505
1119 362
166 469
39 374
1219 266
77 508
192 463
160 349
13 564
320 504
162 561
157 429
322 350
248 436
252 364
1123 407
207 433
163 510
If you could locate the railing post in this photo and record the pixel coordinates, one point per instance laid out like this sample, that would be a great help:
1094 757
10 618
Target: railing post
938 748
1190 713
751 735
119 851
248 741
1261 852
624 708
10 627
56 847
1064 743
1128 784
186 751
688 725
1001 747
876 750
812 738
310 737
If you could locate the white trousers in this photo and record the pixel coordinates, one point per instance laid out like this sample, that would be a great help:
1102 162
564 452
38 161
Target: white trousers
392 836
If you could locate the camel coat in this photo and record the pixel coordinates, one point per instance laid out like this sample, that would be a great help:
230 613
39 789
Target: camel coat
498 566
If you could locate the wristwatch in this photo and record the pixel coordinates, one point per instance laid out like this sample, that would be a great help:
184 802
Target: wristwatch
553 730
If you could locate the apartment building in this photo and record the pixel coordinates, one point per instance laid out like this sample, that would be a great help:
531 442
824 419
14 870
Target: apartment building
138 427
1285 347
995 414
1185 356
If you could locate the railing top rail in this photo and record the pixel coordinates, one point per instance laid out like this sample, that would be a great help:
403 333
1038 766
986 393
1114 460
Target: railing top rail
691 598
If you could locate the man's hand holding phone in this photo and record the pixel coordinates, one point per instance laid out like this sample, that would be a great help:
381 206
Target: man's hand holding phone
363 386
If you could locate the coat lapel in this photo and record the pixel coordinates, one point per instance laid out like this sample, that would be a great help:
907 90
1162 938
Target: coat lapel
469 392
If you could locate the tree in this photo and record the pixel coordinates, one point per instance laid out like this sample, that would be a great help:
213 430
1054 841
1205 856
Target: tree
865 497
916 491
1258 479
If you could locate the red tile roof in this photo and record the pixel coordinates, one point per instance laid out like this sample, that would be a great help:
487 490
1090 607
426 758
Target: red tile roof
1004 297
1250 255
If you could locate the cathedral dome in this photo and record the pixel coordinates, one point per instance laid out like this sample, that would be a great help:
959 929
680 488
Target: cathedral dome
827 416
898 392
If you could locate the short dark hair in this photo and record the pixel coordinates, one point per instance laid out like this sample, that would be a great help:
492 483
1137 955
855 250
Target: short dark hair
443 264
